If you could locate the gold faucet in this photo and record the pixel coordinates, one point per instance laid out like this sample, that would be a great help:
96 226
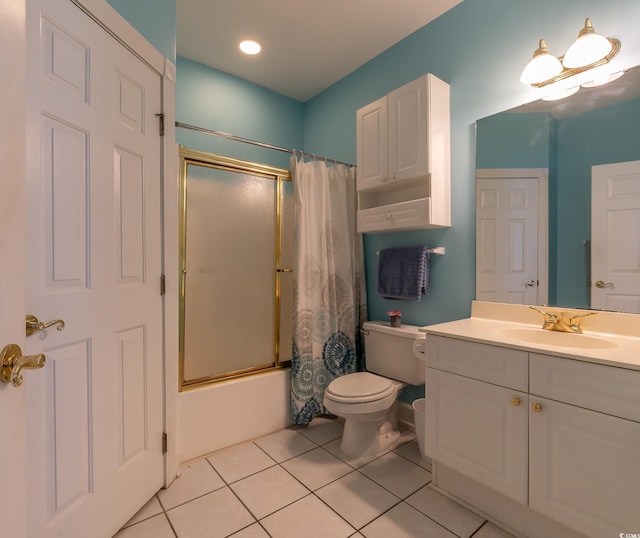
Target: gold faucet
555 322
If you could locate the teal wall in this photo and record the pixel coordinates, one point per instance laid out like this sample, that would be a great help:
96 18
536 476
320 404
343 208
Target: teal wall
513 141
479 48
219 101
156 21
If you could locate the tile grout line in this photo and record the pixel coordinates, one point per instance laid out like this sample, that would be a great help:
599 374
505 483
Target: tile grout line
313 492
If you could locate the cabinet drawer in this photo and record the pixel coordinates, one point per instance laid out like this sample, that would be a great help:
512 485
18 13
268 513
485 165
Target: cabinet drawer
498 365
400 216
615 391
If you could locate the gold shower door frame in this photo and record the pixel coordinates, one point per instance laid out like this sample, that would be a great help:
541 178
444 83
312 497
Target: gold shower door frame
188 158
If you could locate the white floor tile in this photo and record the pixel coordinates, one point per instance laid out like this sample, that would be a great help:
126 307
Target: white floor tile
197 479
214 515
152 508
400 476
154 527
316 468
253 531
322 430
308 518
357 499
489 530
268 491
449 514
285 444
272 483
240 461
411 451
403 521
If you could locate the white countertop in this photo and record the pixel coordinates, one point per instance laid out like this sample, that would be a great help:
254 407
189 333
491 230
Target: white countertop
624 350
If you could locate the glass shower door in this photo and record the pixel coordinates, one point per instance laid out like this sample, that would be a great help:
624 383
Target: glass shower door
233 280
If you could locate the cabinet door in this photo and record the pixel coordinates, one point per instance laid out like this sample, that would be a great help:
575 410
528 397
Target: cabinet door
479 430
584 468
408 131
372 150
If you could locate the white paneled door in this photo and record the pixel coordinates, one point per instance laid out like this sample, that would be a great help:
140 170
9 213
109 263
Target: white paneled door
615 236
94 261
507 240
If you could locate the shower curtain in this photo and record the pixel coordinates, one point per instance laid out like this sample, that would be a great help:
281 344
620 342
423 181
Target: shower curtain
329 293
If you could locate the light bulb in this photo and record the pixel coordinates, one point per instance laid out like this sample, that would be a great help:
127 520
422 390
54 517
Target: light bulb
587 49
250 47
542 66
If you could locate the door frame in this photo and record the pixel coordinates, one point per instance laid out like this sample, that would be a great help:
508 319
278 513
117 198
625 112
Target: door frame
113 23
542 177
13 493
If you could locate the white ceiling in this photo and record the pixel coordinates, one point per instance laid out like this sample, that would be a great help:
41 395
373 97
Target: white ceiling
307 45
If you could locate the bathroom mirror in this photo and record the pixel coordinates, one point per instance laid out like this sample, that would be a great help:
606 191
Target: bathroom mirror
563 140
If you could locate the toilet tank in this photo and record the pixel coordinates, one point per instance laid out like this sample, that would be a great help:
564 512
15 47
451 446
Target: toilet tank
390 353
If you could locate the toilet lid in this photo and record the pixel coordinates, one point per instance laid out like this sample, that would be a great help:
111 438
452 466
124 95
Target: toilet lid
361 387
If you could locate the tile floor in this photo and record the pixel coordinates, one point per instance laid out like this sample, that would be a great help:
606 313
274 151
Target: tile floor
296 483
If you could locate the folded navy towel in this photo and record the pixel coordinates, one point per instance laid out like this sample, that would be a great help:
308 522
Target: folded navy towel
403 273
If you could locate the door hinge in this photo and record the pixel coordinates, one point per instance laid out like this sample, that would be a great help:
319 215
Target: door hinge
164 442
163 284
160 123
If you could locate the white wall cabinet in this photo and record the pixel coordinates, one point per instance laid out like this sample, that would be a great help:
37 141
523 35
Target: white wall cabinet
562 448
403 156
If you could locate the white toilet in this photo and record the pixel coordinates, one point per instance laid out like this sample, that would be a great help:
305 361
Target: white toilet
368 400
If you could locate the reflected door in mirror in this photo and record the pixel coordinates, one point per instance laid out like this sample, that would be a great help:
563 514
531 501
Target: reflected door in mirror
615 245
507 268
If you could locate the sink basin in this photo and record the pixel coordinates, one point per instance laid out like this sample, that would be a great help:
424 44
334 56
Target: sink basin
555 338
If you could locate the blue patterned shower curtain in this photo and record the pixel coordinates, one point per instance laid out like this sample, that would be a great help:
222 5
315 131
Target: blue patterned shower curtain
329 294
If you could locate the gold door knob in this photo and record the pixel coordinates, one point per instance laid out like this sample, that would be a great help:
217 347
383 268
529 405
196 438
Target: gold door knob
13 361
515 401
602 284
33 325
536 407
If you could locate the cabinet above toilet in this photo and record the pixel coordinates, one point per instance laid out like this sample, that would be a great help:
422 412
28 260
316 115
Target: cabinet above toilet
403 152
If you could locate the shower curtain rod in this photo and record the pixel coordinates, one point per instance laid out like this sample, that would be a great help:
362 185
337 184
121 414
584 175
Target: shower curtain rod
255 143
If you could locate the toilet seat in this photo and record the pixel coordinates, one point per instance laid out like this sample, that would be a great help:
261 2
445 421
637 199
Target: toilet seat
360 387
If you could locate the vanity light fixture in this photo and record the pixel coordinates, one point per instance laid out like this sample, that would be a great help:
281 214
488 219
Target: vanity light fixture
589 50
562 94
250 47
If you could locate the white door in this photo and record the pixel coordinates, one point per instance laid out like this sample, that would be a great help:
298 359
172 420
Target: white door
94 261
13 440
507 268
615 236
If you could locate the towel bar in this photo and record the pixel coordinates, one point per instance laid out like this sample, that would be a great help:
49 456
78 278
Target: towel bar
438 251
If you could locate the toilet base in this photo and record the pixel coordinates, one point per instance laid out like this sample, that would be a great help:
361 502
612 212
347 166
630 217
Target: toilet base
371 436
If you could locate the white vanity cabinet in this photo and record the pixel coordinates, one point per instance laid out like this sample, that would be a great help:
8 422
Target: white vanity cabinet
477 412
403 156
569 448
584 445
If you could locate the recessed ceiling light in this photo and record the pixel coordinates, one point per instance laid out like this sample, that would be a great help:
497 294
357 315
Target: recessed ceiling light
250 47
